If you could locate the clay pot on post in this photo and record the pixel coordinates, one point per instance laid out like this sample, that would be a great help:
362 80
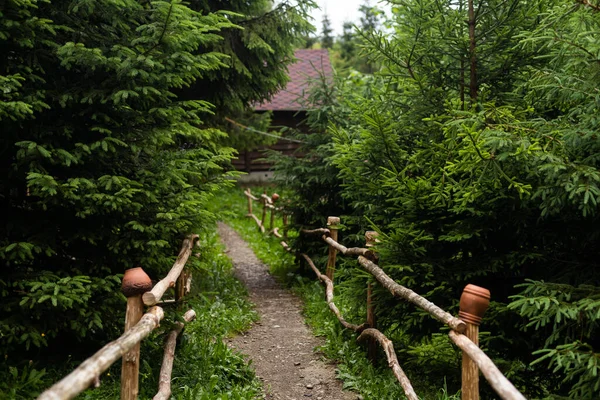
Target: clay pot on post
474 301
135 283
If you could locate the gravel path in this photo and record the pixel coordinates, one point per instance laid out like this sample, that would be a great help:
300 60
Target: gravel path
280 345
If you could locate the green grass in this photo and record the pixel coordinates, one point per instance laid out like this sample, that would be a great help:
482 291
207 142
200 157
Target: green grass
356 372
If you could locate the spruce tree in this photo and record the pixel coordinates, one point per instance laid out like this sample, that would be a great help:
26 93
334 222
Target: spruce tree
369 23
326 38
474 152
259 47
109 114
347 42
369 19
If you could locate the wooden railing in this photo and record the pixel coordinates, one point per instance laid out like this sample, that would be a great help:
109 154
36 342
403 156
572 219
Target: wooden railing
464 331
136 287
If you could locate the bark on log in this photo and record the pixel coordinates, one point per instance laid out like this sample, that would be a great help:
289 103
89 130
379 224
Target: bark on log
285 225
318 231
164 383
250 196
496 379
180 286
268 200
255 218
371 349
371 239
285 246
408 295
91 369
249 203
348 251
470 371
152 297
329 296
130 368
332 223
188 283
272 218
388 347
264 213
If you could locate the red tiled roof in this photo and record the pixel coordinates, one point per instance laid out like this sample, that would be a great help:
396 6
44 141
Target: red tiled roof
307 68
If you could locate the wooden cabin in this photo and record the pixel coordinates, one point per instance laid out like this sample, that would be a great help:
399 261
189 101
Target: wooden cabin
287 108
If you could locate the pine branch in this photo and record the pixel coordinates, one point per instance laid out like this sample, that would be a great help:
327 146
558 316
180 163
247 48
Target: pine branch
588 4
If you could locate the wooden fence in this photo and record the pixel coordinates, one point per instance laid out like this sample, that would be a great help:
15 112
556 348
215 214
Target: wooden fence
137 287
464 330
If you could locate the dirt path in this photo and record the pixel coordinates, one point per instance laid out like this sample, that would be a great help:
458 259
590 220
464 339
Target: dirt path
280 345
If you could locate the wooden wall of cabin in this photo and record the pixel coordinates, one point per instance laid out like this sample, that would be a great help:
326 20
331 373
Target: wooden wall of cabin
253 161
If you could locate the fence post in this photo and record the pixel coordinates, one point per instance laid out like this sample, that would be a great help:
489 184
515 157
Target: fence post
371 237
249 202
285 224
264 213
274 198
180 287
474 301
333 223
135 283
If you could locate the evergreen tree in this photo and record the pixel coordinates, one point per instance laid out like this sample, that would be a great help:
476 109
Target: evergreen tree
474 152
263 35
309 42
109 148
369 18
347 42
326 38
369 23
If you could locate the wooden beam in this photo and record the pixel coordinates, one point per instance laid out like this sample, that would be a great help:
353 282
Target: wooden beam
135 283
495 378
333 224
329 296
388 347
130 368
400 291
318 232
370 237
348 251
164 383
474 302
152 297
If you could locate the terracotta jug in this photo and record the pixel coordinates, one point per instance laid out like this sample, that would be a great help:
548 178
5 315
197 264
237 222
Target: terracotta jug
474 301
135 281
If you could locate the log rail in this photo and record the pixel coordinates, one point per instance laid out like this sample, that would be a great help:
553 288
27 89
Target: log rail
462 328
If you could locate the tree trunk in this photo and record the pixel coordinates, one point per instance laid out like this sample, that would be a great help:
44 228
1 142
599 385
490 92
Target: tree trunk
473 88
131 360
